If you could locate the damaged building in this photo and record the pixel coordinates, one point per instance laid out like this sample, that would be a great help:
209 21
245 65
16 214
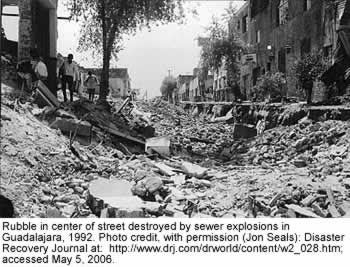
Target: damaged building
279 32
37 28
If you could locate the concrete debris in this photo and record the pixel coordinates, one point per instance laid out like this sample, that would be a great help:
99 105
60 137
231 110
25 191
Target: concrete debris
81 128
195 170
201 170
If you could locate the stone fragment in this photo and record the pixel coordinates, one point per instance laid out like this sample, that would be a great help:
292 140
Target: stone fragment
164 169
332 209
318 210
302 211
178 179
308 200
194 170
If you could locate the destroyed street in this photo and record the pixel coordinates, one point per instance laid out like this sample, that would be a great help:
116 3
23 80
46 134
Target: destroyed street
251 121
300 170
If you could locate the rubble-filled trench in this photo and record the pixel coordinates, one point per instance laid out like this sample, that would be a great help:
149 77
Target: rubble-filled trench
300 170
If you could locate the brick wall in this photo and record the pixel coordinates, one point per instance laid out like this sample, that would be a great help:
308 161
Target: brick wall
25 40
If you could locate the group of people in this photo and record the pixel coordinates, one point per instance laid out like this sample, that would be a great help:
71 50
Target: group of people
34 70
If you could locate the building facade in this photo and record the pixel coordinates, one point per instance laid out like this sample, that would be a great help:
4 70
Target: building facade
183 86
277 33
220 86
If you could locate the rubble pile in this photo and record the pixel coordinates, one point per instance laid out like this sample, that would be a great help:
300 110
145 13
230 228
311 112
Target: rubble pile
289 171
188 134
42 172
308 143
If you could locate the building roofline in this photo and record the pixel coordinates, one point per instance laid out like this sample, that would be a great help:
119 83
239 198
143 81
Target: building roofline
245 5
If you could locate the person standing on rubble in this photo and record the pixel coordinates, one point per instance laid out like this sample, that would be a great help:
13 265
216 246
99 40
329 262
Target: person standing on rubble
69 74
91 84
39 68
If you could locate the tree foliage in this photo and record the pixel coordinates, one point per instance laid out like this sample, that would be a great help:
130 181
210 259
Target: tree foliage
309 68
269 86
222 48
104 23
168 86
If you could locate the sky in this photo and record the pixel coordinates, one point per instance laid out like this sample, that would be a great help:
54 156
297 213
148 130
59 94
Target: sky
148 55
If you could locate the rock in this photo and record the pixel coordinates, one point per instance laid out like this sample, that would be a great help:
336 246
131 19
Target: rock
306 202
178 179
301 142
194 170
201 182
332 209
45 199
164 169
153 208
302 211
274 200
152 184
79 189
318 210
52 212
140 174
299 163
67 211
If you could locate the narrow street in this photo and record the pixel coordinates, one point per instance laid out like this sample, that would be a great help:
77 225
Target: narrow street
206 109
301 170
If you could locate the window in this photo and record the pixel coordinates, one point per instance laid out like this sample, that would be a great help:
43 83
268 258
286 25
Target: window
307 5
283 12
244 24
257 36
305 46
238 25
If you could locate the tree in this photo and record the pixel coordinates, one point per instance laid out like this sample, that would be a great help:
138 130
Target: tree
269 86
309 68
168 86
106 22
222 48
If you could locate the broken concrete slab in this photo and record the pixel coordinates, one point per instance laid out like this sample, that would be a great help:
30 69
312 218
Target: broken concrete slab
160 145
308 200
164 169
83 128
302 211
332 209
46 94
194 170
117 195
244 131
318 210
178 179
